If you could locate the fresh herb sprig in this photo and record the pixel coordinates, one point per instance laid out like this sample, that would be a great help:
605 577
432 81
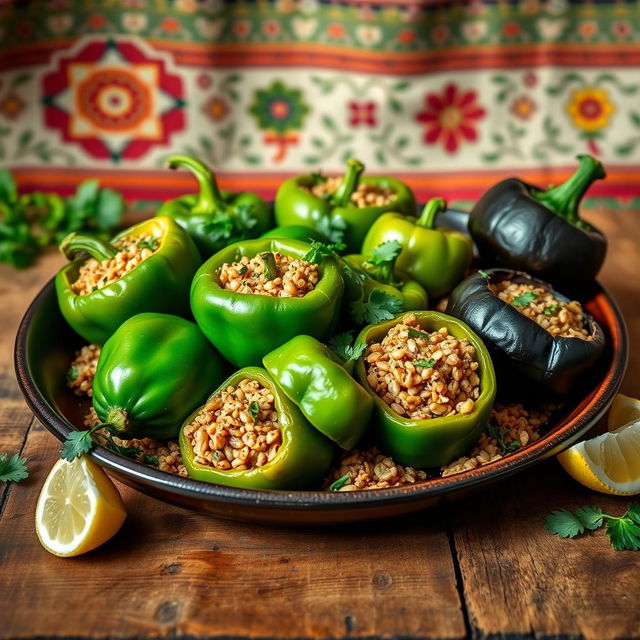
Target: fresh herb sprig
12 468
498 434
551 309
30 222
320 250
342 345
525 299
81 442
378 307
427 364
254 410
336 485
623 531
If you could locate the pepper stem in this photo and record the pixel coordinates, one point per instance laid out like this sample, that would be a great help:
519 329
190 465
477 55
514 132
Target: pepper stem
564 199
350 180
269 269
76 243
431 210
209 198
117 418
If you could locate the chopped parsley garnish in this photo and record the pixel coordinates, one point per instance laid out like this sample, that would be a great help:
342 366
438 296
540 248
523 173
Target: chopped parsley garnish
320 250
525 299
427 364
72 373
151 460
152 244
414 333
243 269
254 410
336 485
551 309
498 434
623 531
12 468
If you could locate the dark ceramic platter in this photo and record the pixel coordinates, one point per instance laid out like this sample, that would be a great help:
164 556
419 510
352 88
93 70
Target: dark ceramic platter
45 344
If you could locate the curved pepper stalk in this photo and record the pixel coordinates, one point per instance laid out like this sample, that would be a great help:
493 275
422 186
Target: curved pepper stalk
75 244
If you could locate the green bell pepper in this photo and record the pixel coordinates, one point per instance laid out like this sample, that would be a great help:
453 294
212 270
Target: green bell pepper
159 283
302 460
434 442
337 216
314 378
215 218
379 272
437 257
245 327
152 372
295 232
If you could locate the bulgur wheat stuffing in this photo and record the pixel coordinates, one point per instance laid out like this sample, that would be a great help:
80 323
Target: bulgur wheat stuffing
512 427
366 195
237 428
560 319
82 369
270 274
370 470
161 455
423 375
95 274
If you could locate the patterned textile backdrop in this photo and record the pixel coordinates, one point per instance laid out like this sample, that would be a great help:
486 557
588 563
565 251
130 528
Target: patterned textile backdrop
450 96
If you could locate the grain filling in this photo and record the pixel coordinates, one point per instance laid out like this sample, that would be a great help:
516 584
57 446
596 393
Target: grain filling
365 195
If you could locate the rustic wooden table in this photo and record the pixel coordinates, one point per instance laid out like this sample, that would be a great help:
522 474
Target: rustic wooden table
483 567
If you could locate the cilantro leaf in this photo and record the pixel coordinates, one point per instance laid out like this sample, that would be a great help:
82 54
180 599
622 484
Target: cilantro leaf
551 309
254 410
623 534
219 228
318 177
380 306
563 524
152 244
320 250
245 218
386 252
427 364
77 443
590 517
336 485
12 468
73 373
525 299
151 460
414 333
498 434
342 347
331 227
633 511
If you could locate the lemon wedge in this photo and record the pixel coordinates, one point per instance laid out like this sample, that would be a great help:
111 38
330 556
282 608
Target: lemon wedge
623 410
609 463
79 508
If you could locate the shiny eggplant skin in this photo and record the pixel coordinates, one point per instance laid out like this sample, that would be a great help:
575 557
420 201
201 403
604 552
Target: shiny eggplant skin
521 349
512 229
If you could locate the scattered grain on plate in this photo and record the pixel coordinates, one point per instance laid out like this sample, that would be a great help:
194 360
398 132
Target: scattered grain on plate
95 274
237 429
421 374
516 426
294 279
371 469
560 319
159 454
82 369
365 195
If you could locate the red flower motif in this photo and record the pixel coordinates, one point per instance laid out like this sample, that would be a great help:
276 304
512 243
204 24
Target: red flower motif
363 113
97 21
171 25
530 79
450 117
511 29
271 28
216 108
11 106
336 31
204 80
621 29
406 36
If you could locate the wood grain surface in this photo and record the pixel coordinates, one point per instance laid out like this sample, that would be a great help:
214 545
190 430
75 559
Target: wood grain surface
483 567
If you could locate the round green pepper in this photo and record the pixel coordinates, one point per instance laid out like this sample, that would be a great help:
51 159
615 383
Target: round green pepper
215 218
437 257
434 442
160 283
245 327
313 377
302 460
151 373
337 216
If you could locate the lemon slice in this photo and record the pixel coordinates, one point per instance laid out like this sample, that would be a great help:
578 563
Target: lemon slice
609 463
623 410
78 509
